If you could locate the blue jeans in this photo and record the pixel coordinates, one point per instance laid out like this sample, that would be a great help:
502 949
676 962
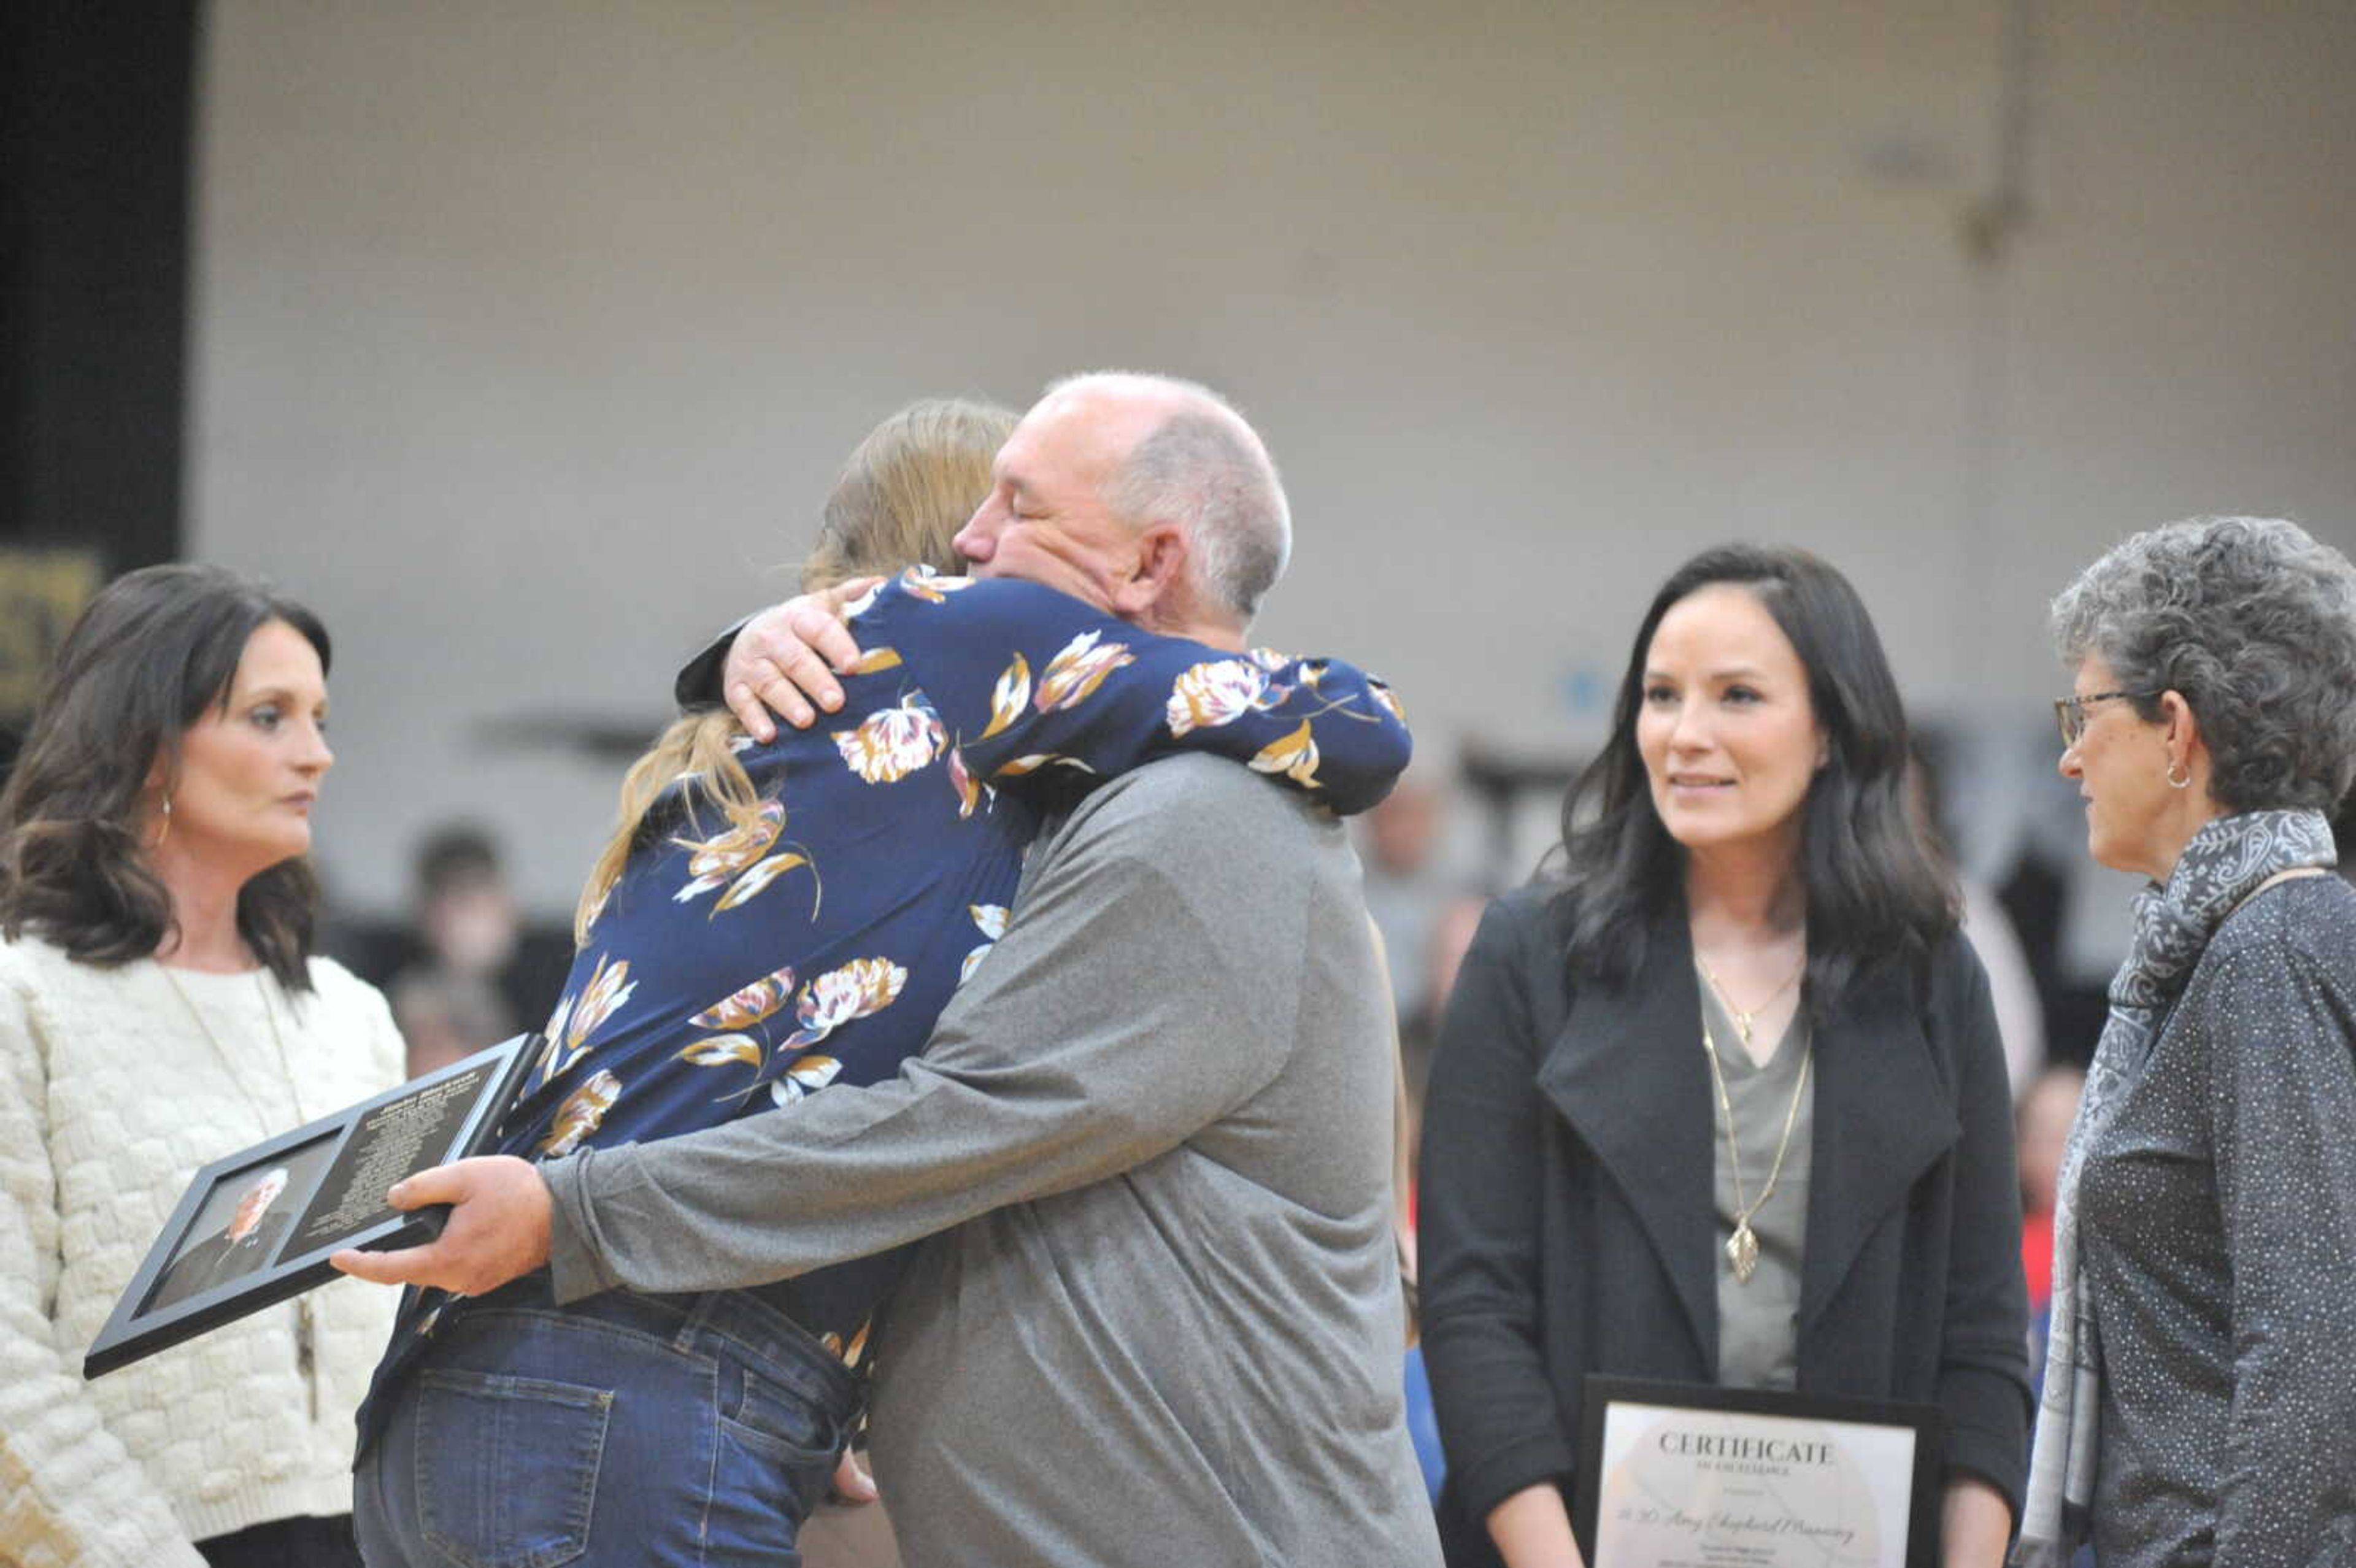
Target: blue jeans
620 1432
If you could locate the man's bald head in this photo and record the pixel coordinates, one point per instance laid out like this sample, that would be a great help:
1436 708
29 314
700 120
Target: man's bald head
1192 461
1147 496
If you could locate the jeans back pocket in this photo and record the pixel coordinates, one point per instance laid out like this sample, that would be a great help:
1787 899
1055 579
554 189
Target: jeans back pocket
507 1468
786 1422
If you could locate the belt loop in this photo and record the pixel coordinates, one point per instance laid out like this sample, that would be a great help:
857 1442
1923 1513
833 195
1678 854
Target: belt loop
692 1326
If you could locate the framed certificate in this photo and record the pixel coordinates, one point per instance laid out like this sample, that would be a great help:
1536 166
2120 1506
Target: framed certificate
1686 1476
259 1226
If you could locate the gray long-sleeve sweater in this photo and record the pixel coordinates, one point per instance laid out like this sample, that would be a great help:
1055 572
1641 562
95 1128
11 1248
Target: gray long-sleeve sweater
1158 1321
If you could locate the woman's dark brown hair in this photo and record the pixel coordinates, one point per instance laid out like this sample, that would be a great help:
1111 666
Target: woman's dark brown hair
155 649
1877 888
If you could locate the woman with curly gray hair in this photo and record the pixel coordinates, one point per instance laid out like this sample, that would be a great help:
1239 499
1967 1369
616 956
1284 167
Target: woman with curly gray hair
2199 1397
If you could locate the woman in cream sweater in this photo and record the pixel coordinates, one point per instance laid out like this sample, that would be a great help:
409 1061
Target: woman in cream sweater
159 1007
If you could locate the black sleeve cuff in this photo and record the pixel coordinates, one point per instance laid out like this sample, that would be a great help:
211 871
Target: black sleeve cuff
1482 1484
1987 1430
697 684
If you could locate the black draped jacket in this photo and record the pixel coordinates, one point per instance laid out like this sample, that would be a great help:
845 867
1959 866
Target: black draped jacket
1567 1225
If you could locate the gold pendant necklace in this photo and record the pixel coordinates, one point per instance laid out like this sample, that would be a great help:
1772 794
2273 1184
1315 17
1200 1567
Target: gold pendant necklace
1743 1020
1742 1246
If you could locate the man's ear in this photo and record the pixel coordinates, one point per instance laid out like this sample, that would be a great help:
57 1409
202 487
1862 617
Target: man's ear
1156 574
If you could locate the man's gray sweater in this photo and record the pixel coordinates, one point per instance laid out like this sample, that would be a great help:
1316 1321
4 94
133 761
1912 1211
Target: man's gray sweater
1158 1320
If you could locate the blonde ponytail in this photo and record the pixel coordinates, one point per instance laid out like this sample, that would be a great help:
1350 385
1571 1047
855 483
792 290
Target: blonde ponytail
903 495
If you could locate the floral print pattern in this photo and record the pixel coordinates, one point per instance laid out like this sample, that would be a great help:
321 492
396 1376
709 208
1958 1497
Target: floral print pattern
990 920
971 792
889 746
714 862
1073 675
1009 696
924 583
750 1005
1212 694
1295 757
862 986
577 1018
804 1078
583 1113
718 970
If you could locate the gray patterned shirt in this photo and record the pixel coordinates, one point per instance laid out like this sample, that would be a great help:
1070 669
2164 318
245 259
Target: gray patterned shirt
2220 1246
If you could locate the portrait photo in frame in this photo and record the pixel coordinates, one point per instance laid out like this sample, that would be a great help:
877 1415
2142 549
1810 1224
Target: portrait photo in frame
1692 1476
258 1226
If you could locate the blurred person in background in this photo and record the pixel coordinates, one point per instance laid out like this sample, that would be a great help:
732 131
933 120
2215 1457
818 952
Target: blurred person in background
2043 1118
449 1003
2200 1396
160 1006
1406 890
1425 919
772 918
1725 1103
2012 981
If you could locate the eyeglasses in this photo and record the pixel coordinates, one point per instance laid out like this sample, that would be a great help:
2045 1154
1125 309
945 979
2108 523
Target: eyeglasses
2070 712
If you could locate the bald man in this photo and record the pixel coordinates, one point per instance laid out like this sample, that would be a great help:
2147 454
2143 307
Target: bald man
1158 1319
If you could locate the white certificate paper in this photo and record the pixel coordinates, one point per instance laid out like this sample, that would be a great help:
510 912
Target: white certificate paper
1682 1487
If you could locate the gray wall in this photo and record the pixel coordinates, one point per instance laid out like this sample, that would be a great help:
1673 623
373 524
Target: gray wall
528 334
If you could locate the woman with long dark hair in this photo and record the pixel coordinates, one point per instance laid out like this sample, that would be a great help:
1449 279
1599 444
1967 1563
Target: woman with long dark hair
160 1005
1724 1102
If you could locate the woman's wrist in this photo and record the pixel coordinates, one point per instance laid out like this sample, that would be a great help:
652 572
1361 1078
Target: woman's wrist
1532 1530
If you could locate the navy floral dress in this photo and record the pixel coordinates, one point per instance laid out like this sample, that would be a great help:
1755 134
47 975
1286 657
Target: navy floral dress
735 970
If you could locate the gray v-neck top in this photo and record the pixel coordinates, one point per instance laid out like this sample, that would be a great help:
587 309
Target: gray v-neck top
1758 1318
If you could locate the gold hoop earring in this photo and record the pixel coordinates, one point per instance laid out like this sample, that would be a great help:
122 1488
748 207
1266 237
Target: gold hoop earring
2173 782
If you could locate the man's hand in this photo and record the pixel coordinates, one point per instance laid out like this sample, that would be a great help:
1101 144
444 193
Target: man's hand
497 1230
786 657
852 1483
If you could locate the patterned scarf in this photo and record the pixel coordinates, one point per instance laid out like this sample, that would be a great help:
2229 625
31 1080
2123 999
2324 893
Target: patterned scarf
2225 862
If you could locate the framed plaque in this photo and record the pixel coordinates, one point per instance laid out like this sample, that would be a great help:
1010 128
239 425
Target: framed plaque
259 1226
1685 1476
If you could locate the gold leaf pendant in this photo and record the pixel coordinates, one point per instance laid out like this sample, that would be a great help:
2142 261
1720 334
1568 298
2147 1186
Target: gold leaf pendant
1742 1252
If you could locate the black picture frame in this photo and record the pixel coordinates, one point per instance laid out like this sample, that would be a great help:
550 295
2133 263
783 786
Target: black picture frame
1925 1423
325 1183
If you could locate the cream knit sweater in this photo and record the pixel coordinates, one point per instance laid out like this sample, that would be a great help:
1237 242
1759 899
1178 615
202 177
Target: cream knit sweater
112 1095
